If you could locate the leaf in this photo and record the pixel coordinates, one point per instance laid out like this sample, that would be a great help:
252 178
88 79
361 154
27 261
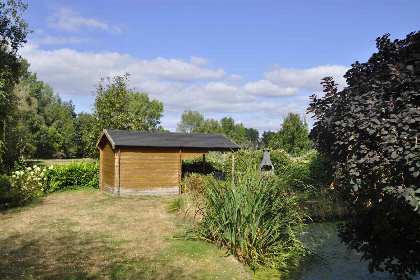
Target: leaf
416 174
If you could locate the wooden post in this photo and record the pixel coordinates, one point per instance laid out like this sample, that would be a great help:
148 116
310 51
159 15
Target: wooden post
180 171
233 167
204 164
117 180
101 166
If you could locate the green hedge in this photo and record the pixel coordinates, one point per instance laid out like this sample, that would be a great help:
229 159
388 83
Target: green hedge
26 183
73 176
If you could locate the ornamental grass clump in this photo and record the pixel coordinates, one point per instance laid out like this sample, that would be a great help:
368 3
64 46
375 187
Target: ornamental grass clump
254 219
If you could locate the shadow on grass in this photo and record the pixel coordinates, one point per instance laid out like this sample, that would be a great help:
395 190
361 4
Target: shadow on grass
76 255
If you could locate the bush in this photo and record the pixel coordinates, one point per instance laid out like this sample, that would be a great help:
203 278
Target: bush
73 176
23 186
254 219
197 184
28 182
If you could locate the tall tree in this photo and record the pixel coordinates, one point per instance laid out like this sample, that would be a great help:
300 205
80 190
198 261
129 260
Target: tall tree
210 126
118 107
370 130
86 135
253 137
191 121
13 32
293 136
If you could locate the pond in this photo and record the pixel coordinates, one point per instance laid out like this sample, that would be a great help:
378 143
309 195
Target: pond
342 263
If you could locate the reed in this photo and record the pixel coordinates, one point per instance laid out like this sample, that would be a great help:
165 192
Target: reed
255 219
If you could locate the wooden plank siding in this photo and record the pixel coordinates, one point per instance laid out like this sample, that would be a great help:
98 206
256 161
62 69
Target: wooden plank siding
149 170
107 169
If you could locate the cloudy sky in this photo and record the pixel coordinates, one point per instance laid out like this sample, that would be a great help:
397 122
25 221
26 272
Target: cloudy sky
254 61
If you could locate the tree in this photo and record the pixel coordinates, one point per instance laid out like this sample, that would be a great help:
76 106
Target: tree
236 132
117 107
268 138
86 136
293 136
13 32
210 126
191 121
144 113
253 136
370 130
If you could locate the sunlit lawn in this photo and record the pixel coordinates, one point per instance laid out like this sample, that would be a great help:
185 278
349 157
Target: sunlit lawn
88 234
44 162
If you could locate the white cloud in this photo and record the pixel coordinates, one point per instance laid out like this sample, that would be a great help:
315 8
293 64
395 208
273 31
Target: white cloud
60 40
66 19
235 77
309 79
267 89
178 84
73 72
200 61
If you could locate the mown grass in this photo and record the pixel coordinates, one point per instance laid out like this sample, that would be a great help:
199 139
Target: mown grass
45 162
87 234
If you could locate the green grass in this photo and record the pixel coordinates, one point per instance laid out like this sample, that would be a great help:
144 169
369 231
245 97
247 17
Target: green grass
46 162
88 234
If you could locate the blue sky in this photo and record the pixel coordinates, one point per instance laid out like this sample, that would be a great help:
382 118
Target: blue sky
254 61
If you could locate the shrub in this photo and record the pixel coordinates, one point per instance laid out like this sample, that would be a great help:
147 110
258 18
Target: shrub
28 182
73 176
370 131
23 186
197 184
253 219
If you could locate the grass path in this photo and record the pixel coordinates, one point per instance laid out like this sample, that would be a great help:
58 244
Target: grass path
87 234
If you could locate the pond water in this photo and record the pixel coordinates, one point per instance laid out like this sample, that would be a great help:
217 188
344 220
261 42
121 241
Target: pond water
342 263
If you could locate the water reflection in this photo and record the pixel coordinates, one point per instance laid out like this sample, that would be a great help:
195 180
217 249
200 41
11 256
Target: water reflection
342 263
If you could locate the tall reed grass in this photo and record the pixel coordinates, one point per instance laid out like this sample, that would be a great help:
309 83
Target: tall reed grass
255 219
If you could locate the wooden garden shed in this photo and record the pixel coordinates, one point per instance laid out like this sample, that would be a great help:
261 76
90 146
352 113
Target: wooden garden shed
143 162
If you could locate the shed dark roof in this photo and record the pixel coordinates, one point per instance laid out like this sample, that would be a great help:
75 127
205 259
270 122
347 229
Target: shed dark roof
168 139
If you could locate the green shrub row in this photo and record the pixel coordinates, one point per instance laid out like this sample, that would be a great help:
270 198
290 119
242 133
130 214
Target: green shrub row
26 183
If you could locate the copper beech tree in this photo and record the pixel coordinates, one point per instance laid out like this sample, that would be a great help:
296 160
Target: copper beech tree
370 130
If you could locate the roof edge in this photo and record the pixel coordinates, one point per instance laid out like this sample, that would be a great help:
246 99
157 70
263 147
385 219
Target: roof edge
105 132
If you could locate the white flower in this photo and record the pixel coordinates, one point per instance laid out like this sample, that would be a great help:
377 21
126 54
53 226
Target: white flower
51 167
43 170
13 176
32 173
42 174
17 172
35 166
21 173
29 168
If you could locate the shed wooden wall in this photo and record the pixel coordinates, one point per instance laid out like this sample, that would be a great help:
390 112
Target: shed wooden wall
149 170
107 169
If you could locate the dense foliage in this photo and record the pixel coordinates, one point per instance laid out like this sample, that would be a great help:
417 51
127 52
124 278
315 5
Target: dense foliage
370 131
254 219
29 182
309 176
194 122
292 136
13 32
118 107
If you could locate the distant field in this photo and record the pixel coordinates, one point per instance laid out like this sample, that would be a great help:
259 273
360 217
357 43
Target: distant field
44 162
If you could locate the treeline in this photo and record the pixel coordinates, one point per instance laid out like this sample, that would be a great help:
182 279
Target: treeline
41 125
36 123
291 137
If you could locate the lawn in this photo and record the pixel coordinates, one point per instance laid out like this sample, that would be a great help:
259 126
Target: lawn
88 234
45 162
